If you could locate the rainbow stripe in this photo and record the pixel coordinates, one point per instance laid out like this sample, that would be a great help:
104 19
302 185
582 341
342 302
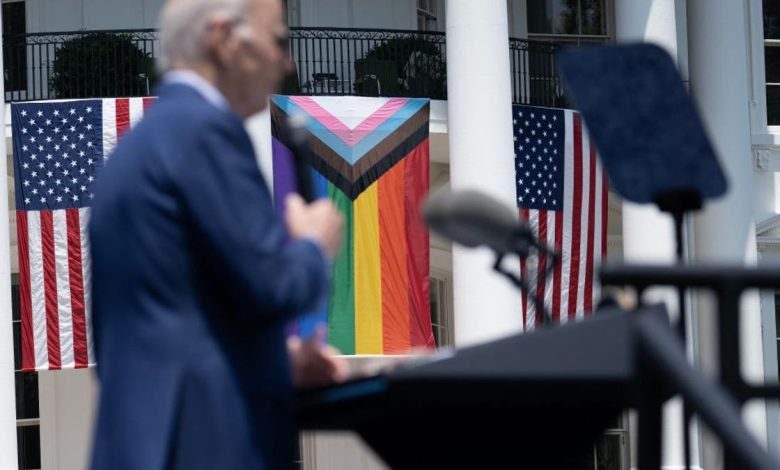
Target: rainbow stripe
374 167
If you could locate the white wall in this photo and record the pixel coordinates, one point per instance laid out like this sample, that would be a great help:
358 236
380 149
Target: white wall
333 450
67 402
71 15
518 19
385 14
389 14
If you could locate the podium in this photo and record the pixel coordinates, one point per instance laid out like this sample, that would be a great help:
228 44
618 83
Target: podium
536 400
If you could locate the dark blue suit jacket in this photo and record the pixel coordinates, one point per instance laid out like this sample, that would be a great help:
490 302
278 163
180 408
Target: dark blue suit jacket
192 285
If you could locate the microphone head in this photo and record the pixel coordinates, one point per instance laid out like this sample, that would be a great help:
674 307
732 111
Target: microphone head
298 127
472 219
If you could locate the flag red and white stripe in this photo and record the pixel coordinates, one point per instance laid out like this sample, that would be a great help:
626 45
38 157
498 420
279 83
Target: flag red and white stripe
54 259
577 228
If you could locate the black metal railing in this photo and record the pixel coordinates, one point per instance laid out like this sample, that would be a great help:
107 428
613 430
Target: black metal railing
329 61
372 62
535 78
368 62
79 64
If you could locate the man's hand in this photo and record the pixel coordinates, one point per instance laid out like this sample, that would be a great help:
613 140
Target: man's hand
315 364
319 221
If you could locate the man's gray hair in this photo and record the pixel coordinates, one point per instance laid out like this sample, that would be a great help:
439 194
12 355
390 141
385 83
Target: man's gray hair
183 24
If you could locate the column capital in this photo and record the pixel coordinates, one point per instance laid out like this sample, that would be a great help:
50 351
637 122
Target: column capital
762 158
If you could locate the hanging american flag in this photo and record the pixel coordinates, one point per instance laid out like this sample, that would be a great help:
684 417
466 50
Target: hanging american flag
562 195
58 150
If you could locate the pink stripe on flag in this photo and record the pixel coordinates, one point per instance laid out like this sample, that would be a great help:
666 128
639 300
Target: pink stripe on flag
349 136
77 289
25 292
122 117
148 102
576 216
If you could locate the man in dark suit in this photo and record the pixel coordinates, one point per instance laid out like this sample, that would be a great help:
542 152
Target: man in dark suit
194 276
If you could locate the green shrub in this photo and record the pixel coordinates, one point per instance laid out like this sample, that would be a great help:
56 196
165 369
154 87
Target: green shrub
97 65
419 62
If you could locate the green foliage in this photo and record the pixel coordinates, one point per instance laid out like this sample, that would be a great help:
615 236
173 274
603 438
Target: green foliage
399 50
97 65
419 62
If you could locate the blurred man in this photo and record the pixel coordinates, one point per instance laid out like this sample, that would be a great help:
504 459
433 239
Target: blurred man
192 279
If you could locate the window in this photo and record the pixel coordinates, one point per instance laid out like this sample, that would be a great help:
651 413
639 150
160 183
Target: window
571 21
441 311
772 59
28 423
426 15
610 451
14 47
566 22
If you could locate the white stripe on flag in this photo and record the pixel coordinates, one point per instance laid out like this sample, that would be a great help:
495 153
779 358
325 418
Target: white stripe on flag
62 274
86 272
37 293
550 241
568 196
531 267
136 111
109 127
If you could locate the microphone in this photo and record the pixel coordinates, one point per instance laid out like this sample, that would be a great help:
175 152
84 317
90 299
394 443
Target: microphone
295 133
472 219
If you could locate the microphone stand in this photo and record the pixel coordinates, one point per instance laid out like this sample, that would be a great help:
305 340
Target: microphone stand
678 203
520 282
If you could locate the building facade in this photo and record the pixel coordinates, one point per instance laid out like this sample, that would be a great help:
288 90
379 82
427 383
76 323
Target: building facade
330 42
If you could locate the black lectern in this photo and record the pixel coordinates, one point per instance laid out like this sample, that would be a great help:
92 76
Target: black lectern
539 400
534 401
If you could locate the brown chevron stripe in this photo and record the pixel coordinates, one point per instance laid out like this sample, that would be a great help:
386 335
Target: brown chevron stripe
369 160
353 189
353 180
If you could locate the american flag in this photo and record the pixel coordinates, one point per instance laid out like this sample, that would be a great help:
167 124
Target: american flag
59 148
562 195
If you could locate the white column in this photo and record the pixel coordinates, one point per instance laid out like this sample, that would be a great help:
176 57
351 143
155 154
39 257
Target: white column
648 234
725 230
8 457
68 401
481 158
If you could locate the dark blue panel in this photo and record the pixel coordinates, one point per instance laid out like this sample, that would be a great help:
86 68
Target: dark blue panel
648 133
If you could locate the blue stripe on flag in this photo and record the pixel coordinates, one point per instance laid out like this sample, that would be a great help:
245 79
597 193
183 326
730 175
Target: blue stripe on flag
352 155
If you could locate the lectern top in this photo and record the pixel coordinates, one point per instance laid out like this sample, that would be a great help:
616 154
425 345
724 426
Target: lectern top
648 133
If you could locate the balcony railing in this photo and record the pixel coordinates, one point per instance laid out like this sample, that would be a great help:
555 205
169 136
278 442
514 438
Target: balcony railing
79 64
368 62
364 62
